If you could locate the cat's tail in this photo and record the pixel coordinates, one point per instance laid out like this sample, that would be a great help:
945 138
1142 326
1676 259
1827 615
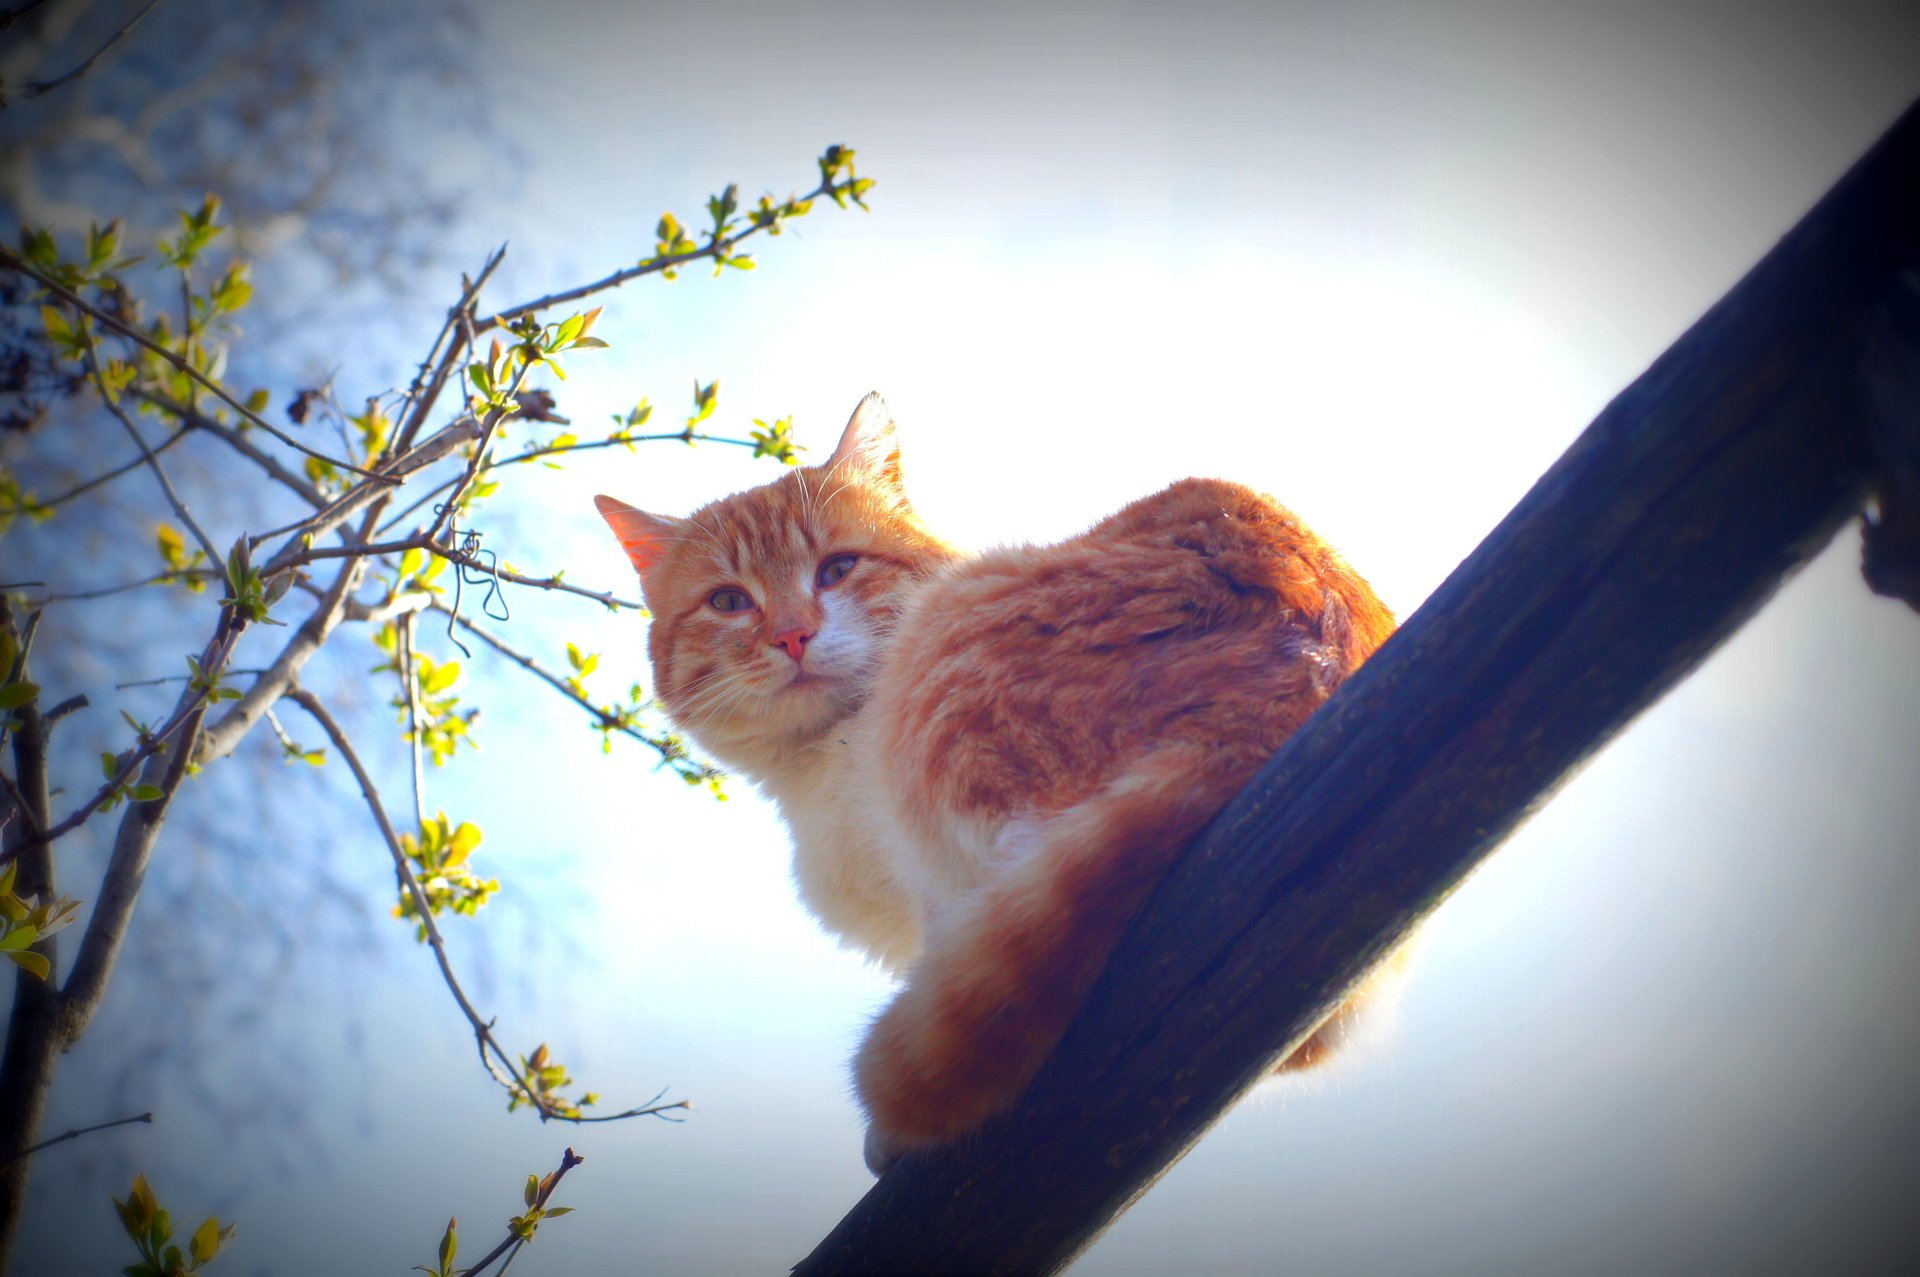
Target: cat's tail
1004 974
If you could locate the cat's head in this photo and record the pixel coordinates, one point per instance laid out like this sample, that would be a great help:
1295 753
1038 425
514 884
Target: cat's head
770 606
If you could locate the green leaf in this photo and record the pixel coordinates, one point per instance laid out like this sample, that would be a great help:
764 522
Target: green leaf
205 1243
32 962
449 1246
148 793
14 695
533 1188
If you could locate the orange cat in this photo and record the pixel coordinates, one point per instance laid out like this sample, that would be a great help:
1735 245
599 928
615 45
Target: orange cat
986 763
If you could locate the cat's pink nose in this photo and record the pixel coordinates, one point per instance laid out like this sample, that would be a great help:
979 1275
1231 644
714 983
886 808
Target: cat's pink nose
793 642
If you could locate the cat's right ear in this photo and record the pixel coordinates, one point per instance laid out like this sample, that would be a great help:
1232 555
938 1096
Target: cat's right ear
643 536
869 444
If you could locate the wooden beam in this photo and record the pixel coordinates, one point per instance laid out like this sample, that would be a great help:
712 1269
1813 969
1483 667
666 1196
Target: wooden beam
1672 518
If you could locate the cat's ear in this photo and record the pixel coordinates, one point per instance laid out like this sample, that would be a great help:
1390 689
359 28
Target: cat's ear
643 536
869 444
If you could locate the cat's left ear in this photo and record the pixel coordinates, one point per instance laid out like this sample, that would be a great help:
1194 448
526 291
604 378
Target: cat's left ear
869 444
643 536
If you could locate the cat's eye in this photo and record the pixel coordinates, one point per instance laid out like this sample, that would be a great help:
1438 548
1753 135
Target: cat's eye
833 569
729 599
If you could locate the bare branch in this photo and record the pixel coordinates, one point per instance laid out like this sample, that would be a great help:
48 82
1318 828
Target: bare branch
114 473
194 419
163 578
75 1134
36 87
165 767
11 16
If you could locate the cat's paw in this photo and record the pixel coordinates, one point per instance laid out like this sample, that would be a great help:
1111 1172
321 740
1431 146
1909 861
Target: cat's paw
882 1151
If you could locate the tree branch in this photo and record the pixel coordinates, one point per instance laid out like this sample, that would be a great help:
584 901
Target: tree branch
105 591
112 402
1673 517
194 419
75 1134
535 454
423 394
611 722
492 1055
650 266
139 828
187 711
225 734
513 1241
513 1080
114 473
367 495
13 262
36 87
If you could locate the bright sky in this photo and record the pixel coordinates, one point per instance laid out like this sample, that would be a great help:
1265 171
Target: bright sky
1384 262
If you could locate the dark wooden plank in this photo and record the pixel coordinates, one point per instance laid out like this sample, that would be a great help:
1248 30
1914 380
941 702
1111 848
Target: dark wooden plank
1729 463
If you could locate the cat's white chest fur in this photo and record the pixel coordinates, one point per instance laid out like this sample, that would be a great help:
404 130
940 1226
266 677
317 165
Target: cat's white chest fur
842 861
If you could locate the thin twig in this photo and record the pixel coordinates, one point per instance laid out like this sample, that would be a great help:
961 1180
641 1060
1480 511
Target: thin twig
650 266
506 1072
411 691
173 678
223 735
35 88
75 1134
514 1082
611 722
163 578
114 473
444 513
13 262
379 548
11 16
192 418
365 495
513 1241
421 397
112 401
534 454
216 658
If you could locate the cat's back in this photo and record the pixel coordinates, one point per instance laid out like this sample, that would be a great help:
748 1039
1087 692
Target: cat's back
1025 678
